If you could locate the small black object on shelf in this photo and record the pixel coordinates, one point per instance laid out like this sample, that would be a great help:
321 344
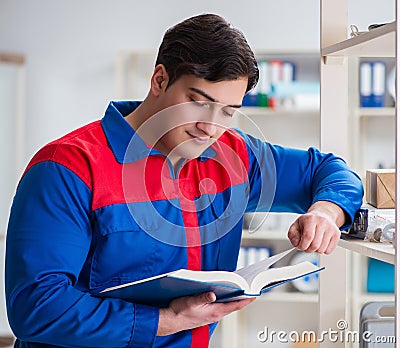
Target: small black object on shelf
359 226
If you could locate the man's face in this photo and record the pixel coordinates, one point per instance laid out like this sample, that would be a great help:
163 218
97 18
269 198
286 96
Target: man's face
194 113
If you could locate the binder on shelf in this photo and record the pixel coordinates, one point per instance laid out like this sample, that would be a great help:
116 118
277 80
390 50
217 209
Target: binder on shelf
372 84
288 72
365 84
378 84
242 258
252 254
264 84
276 70
380 276
276 77
272 73
250 98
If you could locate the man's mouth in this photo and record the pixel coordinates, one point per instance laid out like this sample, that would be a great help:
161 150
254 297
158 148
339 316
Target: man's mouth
199 140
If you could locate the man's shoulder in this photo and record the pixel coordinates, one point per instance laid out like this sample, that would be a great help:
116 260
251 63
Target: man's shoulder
75 150
83 133
81 140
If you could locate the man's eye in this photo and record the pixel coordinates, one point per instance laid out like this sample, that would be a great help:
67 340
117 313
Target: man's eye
228 113
200 103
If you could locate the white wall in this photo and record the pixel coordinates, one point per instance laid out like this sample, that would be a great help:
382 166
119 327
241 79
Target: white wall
71 45
365 12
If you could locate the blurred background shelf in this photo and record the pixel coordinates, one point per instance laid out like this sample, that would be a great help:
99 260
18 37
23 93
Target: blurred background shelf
286 296
255 111
376 112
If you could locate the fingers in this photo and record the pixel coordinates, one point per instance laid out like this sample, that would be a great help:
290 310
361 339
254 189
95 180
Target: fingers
313 233
333 243
195 311
229 307
303 231
206 297
202 299
294 234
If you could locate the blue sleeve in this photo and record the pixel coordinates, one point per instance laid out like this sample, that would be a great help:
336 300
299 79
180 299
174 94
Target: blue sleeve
291 180
48 239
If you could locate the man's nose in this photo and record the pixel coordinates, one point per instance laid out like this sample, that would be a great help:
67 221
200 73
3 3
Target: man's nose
207 128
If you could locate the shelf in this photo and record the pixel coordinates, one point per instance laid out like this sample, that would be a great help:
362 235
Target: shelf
264 234
374 296
379 251
286 296
376 112
12 58
379 42
253 111
289 52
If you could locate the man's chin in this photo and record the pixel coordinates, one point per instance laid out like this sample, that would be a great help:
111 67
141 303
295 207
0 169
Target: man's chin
191 153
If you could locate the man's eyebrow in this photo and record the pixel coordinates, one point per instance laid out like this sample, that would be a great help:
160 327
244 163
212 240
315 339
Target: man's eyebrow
205 95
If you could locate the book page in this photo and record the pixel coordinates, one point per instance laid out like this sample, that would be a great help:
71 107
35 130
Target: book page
213 277
279 274
251 271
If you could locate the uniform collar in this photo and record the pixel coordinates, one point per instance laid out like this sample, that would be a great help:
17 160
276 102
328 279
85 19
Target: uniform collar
124 142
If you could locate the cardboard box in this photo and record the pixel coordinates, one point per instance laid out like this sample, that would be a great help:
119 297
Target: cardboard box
380 188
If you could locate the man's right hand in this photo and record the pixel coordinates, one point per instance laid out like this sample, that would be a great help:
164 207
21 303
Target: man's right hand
189 312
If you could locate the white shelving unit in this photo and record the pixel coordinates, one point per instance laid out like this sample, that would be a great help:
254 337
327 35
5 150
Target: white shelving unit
372 143
379 42
379 251
335 50
375 112
358 284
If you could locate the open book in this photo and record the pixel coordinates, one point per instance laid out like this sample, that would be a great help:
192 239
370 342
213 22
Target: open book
249 281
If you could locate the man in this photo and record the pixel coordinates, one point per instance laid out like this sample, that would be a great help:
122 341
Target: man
154 187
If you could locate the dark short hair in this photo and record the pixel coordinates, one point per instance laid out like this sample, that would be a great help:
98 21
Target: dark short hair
208 47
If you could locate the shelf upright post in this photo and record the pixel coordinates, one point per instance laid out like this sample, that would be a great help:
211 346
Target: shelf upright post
334 138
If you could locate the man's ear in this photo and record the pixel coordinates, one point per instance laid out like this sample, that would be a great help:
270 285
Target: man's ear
159 80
